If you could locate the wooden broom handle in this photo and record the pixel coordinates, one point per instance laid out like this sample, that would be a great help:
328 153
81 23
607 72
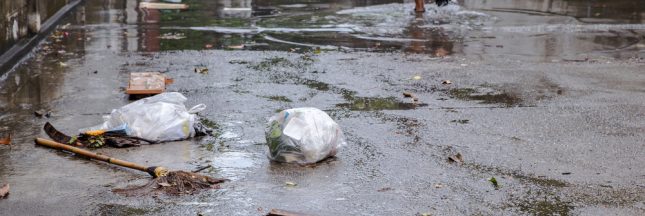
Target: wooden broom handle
86 153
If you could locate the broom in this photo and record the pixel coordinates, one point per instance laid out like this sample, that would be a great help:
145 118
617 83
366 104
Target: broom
164 181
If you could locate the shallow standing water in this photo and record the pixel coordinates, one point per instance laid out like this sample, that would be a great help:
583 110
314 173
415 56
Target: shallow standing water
540 88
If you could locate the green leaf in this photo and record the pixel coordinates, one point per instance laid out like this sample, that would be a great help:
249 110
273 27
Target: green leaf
494 182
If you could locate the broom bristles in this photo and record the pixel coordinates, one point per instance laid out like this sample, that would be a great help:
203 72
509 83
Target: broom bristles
175 183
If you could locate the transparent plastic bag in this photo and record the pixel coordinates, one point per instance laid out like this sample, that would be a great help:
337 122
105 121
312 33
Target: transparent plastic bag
162 117
303 135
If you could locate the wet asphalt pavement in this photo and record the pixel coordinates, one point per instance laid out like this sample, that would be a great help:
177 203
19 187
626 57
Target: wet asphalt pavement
547 97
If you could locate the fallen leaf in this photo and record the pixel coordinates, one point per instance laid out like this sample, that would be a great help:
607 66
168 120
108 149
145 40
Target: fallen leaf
201 70
62 64
164 184
6 140
208 46
291 184
42 113
4 190
457 158
416 77
494 182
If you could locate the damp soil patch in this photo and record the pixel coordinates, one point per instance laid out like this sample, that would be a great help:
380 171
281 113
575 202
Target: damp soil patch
534 180
540 203
278 98
116 209
269 63
376 103
505 98
356 103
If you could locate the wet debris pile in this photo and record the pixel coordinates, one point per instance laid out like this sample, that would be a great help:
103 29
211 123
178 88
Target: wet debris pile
163 182
95 139
174 183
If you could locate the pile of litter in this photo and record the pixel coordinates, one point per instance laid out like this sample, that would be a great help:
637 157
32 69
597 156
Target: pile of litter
175 183
300 135
160 118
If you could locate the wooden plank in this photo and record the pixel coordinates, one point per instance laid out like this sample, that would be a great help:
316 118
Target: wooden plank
147 83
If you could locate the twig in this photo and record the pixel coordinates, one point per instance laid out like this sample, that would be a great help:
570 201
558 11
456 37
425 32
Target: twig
201 168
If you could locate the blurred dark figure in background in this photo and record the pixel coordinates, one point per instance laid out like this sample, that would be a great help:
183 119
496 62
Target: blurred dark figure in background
420 7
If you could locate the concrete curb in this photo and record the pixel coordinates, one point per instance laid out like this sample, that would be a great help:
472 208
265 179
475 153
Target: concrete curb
15 54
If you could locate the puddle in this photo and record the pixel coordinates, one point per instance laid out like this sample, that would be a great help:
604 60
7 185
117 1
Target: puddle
234 160
233 165
229 135
528 30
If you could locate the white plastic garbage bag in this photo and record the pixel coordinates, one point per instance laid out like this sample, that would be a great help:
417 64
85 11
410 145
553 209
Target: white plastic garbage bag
303 135
162 117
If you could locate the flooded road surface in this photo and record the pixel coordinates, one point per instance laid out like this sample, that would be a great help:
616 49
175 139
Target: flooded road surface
546 97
